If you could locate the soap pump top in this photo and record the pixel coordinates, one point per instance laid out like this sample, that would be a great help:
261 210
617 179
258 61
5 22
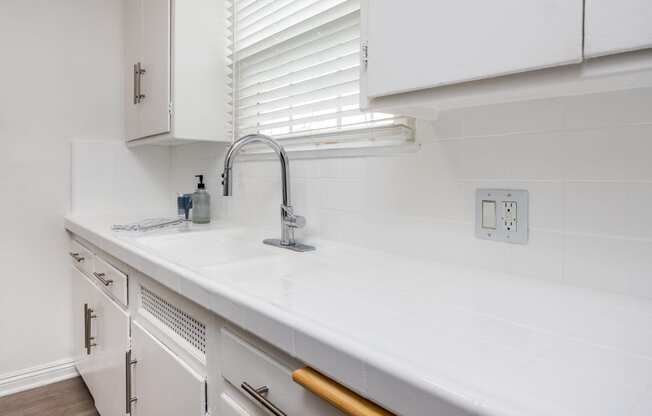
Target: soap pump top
201 184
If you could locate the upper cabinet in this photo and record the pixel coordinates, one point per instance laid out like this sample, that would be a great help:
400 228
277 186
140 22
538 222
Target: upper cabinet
614 26
422 57
416 44
175 71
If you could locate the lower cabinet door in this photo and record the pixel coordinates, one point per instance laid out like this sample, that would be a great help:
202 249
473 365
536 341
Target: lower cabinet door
101 340
83 294
162 384
110 329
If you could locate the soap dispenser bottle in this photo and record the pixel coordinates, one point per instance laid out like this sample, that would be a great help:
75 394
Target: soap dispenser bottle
201 203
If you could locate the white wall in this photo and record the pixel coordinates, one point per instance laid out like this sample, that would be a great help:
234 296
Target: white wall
585 160
60 78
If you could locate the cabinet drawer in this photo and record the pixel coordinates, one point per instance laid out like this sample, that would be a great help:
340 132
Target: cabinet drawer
243 364
113 280
81 257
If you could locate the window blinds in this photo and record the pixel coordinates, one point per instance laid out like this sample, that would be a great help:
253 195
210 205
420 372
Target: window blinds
295 72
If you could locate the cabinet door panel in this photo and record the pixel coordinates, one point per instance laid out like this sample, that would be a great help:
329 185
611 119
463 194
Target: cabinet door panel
155 114
111 332
163 384
613 26
83 294
133 44
415 44
103 370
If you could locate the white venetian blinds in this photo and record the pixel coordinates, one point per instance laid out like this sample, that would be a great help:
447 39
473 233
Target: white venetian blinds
295 68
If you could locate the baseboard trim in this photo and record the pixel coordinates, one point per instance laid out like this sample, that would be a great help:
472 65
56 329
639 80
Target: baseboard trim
38 376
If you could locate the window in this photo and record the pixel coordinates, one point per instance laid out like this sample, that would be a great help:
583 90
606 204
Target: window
295 69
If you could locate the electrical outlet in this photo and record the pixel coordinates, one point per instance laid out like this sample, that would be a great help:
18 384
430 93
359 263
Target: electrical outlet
502 215
510 216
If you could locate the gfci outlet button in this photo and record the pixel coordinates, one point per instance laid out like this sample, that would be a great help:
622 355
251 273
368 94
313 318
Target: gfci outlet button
489 214
502 215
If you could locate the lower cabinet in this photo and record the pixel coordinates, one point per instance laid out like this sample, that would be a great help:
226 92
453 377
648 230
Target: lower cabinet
162 384
102 337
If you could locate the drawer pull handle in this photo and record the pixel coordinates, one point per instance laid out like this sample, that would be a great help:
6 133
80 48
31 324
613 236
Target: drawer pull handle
100 277
78 257
88 339
128 364
259 395
337 395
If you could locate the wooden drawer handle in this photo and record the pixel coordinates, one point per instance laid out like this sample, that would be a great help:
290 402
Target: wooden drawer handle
337 395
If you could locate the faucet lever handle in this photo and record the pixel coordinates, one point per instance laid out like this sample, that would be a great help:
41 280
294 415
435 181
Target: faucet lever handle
296 221
291 219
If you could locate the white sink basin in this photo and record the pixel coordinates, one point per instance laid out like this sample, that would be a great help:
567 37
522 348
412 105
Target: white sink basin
206 247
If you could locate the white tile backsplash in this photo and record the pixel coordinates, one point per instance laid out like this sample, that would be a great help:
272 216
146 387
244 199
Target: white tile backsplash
585 161
108 177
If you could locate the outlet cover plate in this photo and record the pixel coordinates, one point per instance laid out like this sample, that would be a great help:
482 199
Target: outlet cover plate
511 219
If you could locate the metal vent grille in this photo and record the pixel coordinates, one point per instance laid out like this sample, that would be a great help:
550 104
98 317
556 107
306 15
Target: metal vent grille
179 321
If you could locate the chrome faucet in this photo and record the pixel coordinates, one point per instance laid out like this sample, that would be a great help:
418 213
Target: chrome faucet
289 220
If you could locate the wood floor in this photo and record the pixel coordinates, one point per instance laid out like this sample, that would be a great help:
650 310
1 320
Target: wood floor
65 398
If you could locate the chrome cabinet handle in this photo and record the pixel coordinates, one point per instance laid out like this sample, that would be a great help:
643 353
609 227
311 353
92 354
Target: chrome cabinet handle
88 339
259 395
100 277
78 257
138 78
128 364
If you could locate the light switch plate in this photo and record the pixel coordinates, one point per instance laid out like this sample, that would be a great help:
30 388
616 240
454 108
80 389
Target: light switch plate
509 220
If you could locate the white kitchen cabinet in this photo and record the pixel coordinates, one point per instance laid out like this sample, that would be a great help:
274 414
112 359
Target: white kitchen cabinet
613 26
147 51
84 297
175 71
414 44
101 339
161 383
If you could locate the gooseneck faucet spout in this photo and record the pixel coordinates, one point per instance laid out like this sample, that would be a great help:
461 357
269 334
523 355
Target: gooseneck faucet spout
289 220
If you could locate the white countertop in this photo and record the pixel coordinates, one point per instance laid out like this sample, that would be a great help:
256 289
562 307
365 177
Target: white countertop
415 336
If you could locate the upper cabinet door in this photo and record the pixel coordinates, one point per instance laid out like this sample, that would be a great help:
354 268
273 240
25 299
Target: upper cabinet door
417 44
614 26
155 81
133 32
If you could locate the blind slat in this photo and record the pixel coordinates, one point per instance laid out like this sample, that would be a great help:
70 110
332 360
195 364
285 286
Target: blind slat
329 92
244 21
306 75
349 100
343 38
291 20
284 66
248 47
346 25
339 77
335 116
